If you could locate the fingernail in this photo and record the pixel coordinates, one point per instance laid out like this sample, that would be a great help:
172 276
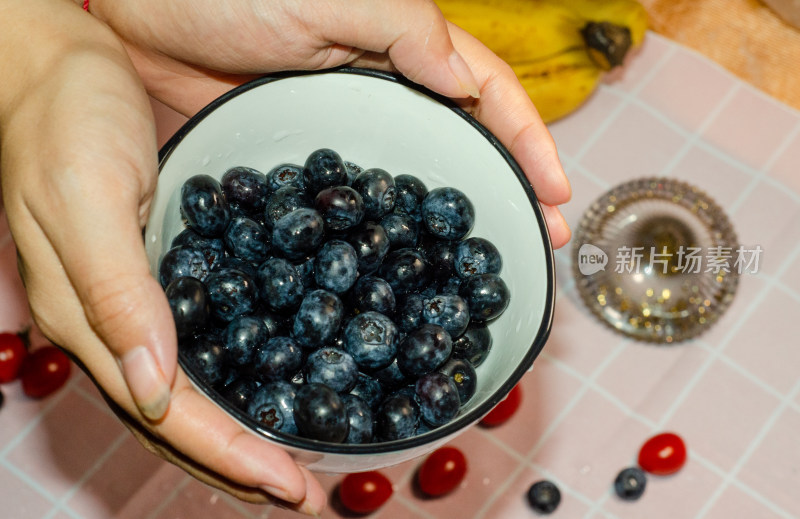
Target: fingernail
309 509
463 74
280 493
146 382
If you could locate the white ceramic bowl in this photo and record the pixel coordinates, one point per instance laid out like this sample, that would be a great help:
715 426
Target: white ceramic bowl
376 119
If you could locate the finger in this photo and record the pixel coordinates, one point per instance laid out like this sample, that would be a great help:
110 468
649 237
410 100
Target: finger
202 431
506 109
556 225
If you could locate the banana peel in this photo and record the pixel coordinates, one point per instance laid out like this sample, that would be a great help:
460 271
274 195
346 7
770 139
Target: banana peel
559 49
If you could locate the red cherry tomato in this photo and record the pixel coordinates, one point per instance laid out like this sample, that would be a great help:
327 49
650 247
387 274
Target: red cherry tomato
44 371
504 409
662 454
12 353
365 492
442 471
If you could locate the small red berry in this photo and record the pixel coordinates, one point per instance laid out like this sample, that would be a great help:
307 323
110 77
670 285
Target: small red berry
365 492
12 353
442 471
504 409
44 371
663 454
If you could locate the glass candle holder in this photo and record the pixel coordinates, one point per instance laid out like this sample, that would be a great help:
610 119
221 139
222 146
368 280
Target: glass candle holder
655 259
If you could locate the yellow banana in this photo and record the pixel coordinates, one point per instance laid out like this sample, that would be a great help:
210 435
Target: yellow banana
559 84
559 49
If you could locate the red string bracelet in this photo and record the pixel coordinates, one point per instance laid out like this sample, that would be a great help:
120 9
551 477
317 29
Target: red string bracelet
85 5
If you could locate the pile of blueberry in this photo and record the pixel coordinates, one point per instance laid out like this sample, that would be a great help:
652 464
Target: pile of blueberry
332 302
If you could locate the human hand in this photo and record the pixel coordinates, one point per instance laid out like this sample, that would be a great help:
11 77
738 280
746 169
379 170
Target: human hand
190 52
78 167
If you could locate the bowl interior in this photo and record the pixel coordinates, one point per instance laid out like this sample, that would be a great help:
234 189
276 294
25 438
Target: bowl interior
376 120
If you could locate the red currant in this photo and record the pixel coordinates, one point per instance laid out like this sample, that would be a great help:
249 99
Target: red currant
12 353
442 471
365 492
663 454
44 371
504 409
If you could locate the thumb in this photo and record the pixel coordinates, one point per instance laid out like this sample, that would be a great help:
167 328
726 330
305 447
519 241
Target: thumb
101 248
413 33
91 213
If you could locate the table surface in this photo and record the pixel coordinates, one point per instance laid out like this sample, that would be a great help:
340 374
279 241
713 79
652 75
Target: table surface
744 36
593 396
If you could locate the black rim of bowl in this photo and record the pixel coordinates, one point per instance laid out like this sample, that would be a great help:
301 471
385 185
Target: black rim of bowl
461 420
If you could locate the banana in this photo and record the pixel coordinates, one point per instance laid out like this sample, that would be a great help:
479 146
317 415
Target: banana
559 49
558 85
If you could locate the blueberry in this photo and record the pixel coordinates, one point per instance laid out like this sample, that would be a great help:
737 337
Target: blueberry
372 293
336 266
272 406
371 244
247 239
282 202
371 339
477 256
398 417
305 268
448 311
284 175
333 367
360 421
390 377
487 296
544 497
323 168
341 207
276 324
405 270
437 396
239 392
440 254
279 358
368 389
279 284
408 316
630 483
451 286
203 205
318 319
182 261
232 262
474 344
352 169
424 350
188 301
298 233
320 413
401 229
463 375
242 336
212 248
205 357
448 213
245 188
376 187
410 192
231 293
